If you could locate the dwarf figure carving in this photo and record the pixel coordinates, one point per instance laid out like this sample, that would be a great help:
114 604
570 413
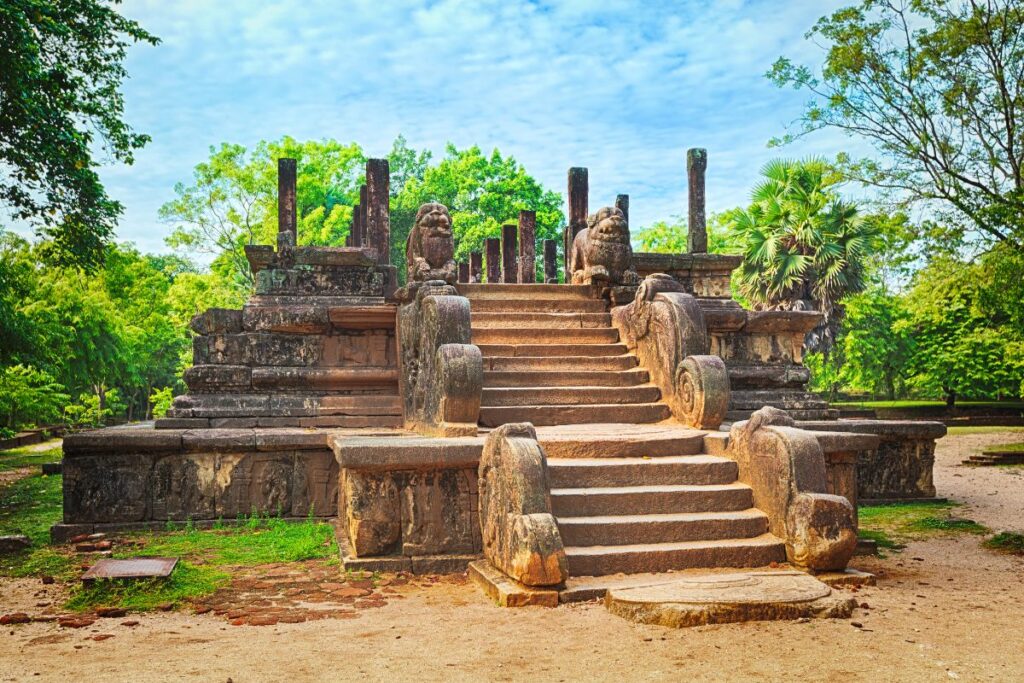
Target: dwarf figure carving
430 250
601 253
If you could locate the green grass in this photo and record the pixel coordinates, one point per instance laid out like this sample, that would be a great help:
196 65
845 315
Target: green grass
953 431
1007 542
32 504
26 457
892 526
1006 448
927 404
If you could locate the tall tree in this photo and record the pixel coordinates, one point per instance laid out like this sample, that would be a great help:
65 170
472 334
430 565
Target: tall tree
803 246
61 68
937 87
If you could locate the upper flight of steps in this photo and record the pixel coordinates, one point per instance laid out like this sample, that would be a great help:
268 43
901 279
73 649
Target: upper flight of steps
551 357
653 503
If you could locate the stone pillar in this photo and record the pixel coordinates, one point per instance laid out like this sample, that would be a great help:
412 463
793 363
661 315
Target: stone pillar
622 204
378 218
579 190
286 225
363 241
509 269
527 247
476 266
493 260
696 165
551 262
357 219
464 271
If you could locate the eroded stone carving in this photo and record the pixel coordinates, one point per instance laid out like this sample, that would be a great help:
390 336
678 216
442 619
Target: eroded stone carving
520 536
601 253
665 327
441 373
430 250
785 468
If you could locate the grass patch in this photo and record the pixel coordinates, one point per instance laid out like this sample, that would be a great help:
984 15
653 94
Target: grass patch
27 457
880 538
899 523
928 404
1007 542
1006 448
30 506
953 431
186 582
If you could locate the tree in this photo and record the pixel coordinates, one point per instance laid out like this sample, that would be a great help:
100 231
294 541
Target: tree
27 396
936 87
803 246
482 193
669 237
876 346
232 201
61 67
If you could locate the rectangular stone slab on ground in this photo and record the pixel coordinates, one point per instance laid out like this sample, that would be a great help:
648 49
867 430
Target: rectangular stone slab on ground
136 568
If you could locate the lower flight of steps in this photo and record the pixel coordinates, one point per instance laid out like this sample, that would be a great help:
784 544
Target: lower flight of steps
655 504
551 357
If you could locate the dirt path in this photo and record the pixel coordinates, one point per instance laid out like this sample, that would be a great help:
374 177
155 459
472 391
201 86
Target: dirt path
944 609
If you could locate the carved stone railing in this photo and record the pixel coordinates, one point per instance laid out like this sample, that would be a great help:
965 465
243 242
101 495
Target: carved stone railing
665 327
520 535
785 467
441 371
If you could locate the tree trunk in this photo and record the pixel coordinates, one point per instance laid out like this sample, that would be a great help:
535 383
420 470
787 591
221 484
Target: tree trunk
950 398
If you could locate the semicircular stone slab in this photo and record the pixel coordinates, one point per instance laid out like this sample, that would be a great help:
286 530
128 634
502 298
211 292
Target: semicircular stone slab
725 598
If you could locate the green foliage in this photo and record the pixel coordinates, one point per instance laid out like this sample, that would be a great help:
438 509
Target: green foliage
28 395
31 506
899 523
61 67
28 456
1007 542
86 413
935 87
482 193
161 399
669 237
232 201
187 581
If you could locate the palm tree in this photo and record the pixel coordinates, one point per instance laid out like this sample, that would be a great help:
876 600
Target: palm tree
804 247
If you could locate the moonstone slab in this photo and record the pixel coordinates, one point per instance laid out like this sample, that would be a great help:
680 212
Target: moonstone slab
725 598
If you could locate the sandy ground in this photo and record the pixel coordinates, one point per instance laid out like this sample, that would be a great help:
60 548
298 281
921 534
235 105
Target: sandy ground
944 609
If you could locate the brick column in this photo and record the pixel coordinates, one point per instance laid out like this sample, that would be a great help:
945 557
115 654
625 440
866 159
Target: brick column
286 222
493 260
622 204
476 266
579 189
357 221
550 261
509 270
527 247
378 218
697 236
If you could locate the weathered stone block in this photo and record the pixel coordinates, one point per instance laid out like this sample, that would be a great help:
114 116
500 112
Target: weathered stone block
250 482
289 319
372 348
215 378
373 515
284 349
315 484
438 513
107 488
217 321
183 487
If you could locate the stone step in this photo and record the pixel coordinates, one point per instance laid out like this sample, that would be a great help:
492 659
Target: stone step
550 364
542 416
566 396
541 335
565 378
612 440
362 404
506 350
668 528
644 500
526 291
478 305
759 551
642 471
541 320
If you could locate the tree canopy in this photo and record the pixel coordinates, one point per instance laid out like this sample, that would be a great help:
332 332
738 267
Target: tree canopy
61 68
937 87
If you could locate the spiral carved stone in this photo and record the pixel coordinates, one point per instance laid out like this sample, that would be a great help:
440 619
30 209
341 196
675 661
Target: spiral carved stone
702 391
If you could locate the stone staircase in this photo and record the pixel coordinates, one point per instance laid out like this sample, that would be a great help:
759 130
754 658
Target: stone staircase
552 357
653 503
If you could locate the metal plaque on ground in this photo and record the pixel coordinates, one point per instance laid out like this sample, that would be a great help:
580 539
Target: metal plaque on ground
136 568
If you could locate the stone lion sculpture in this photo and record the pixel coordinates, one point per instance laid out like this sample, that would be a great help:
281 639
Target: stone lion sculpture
430 250
601 253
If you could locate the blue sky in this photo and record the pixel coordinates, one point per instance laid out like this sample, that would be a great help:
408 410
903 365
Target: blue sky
623 88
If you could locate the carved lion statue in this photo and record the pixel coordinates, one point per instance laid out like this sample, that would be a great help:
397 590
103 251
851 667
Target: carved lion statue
601 252
430 250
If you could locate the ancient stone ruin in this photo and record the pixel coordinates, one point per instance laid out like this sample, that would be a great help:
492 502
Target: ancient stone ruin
623 416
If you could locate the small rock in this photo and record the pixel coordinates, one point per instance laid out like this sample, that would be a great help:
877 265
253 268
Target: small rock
47 580
111 612
130 622
14 543
104 545
99 637
79 538
165 606
15 618
85 548
96 537
856 624
75 622
865 605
